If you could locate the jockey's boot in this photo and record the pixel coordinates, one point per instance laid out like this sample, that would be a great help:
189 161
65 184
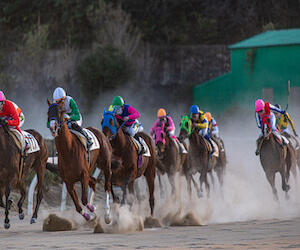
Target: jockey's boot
212 147
258 145
89 141
182 149
143 151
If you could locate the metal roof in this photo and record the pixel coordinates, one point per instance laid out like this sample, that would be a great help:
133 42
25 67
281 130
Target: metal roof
270 38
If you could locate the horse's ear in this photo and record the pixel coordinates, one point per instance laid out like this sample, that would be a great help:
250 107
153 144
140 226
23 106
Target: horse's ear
49 103
104 111
114 110
181 116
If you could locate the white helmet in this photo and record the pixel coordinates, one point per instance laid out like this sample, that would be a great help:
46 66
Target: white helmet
59 94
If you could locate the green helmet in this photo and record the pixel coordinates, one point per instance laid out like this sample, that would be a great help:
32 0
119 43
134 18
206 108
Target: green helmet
118 101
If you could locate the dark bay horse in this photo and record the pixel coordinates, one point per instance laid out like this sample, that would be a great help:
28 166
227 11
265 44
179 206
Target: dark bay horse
11 174
274 158
125 149
169 160
198 156
73 163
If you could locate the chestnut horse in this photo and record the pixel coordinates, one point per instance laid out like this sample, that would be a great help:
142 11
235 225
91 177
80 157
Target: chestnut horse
11 174
134 166
169 160
73 163
274 158
198 156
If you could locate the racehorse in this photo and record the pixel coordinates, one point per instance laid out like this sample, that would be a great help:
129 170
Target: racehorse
274 158
134 165
198 156
169 161
75 164
14 166
294 148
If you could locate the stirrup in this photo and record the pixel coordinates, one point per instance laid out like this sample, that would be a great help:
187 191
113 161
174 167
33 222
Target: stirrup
257 152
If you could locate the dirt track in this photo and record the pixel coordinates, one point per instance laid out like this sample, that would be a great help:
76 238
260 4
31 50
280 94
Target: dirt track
265 234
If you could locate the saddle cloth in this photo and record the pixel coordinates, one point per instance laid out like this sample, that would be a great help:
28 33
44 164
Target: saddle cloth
94 146
22 140
216 153
138 146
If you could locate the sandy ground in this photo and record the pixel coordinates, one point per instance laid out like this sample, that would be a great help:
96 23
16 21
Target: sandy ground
241 214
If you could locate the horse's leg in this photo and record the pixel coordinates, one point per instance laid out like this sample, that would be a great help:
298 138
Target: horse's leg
189 186
106 167
171 178
150 177
162 193
72 192
203 178
271 180
124 189
6 221
20 203
39 195
285 186
85 179
212 178
1 199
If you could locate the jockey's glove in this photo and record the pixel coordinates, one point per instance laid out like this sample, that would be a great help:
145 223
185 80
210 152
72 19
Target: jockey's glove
67 117
295 133
3 122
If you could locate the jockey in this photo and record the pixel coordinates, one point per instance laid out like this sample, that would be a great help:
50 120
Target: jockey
163 118
213 129
10 113
72 115
265 109
129 115
282 122
199 121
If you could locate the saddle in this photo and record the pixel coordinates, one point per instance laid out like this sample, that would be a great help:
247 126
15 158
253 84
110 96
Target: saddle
23 140
83 140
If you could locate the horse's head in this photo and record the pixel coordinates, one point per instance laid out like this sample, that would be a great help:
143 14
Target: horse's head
55 117
160 140
266 126
185 128
109 123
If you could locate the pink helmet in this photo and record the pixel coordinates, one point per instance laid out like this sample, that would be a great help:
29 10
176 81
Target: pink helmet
259 105
2 96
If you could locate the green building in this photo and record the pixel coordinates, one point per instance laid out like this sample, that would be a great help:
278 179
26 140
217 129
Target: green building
261 67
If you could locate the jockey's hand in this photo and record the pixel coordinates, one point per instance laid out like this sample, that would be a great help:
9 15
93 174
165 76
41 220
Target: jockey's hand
67 117
195 124
284 113
126 118
295 133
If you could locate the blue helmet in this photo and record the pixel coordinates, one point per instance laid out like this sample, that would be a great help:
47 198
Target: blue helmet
194 109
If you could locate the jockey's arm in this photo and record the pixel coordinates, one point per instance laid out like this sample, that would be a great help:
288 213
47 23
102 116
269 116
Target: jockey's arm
275 109
258 121
152 130
75 115
15 121
290 121
134 114
202 123
170 124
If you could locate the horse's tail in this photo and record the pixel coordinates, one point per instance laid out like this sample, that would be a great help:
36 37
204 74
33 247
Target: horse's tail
52 168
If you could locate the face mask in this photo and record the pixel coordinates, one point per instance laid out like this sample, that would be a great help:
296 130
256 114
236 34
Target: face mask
119 111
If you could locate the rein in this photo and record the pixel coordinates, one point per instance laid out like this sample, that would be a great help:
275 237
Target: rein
114 135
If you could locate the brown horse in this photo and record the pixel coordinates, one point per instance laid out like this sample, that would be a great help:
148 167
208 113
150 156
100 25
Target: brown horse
11 174
73 162
124 147
169 160
198 156
274 158
294 149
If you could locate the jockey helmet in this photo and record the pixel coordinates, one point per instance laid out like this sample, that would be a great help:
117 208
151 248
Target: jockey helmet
2 96
278 106
161 113
208 116
194 110
259 105
59 94
118 101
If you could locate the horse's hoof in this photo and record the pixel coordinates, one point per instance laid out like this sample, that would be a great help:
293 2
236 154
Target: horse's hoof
21 216
107 218
93 217
33 220
7 225
92 208
200 194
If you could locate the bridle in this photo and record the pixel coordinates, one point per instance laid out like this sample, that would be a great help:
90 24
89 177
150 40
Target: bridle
111 127
58 121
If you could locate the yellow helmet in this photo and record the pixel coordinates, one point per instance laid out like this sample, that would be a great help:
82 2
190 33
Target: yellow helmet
208 116
161 113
